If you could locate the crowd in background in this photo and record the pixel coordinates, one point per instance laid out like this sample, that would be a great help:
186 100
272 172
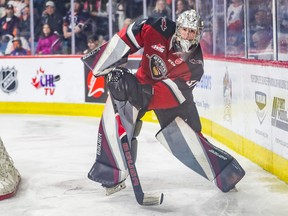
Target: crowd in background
248 30
52 28
52 23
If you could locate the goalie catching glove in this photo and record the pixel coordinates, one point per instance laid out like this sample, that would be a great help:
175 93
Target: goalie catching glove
124 86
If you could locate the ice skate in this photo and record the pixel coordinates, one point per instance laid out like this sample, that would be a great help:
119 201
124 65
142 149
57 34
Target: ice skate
114 188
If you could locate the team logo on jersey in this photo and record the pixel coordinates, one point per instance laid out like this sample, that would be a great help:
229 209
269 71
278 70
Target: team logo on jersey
8 79
179 61
163 24
157 67
158 47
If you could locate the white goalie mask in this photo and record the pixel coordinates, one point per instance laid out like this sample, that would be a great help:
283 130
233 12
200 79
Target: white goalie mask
191 20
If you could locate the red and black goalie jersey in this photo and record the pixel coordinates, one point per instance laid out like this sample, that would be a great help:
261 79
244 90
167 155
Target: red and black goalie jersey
171 76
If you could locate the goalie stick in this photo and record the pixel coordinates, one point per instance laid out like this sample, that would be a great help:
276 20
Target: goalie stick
142 198
100 61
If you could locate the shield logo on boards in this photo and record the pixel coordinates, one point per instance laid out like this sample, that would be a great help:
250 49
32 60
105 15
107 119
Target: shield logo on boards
261 101
8 79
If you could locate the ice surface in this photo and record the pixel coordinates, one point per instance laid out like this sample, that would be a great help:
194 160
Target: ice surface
55 153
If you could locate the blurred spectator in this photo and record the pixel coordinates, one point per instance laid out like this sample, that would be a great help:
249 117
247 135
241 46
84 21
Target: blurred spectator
18 50
127 22
2 8
263 48
115 15
161 9
49 42
121 13
94 6
254 5
191 4
80 22
18 6
283 30
262 20
92 43
235 45
235 16
52 17
99 17
101 40
181 6
24 24
134 8
207 41
283 17
24 44
9 23
39 5
235 29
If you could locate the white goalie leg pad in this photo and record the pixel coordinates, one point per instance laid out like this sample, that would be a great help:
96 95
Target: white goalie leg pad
110 167
9 175
181 141
196 152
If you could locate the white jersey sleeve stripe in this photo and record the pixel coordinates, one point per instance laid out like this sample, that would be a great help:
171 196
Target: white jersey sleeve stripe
131 36
174 88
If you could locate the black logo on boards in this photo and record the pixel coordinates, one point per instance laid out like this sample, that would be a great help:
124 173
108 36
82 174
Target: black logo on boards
8 79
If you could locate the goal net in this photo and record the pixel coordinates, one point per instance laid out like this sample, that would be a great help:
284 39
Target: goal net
9 175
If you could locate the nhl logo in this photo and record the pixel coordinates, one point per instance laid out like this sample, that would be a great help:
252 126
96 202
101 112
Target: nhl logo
8 80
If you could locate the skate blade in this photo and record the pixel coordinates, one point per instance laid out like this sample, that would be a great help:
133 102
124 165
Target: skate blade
115 189
233 190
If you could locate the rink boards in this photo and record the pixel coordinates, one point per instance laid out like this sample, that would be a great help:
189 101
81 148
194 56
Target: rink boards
242 103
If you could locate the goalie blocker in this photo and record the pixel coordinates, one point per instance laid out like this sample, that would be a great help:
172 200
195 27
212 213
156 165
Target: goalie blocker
9 175
195 151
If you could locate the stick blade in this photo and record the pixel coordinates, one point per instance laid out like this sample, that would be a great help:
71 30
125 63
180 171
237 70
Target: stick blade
152 199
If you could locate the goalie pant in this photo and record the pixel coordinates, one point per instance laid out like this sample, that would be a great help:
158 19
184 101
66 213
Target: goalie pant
190 147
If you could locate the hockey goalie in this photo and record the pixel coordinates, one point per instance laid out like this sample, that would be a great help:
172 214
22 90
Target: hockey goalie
9 175
171 66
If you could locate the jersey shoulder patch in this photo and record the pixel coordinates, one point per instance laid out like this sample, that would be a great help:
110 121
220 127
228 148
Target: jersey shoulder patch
163 25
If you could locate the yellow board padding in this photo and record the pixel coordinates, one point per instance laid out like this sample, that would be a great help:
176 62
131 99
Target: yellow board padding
270 161
265 158
92 109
